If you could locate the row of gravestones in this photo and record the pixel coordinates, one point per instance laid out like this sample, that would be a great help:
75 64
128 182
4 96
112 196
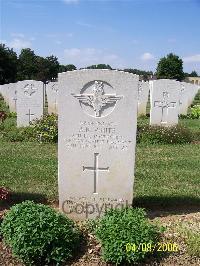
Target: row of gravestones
168 98
97 131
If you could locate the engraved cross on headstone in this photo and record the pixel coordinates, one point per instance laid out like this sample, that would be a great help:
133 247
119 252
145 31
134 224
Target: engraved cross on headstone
15 99
56 104
29 115
165 105
96 170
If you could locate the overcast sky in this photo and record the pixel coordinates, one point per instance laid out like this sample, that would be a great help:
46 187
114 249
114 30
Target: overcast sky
122 33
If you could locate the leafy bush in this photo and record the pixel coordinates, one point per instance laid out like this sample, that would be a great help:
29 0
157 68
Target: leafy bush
19 134
38 234
164 135
12 114
14 135
195 112
3 106
46 128
121 227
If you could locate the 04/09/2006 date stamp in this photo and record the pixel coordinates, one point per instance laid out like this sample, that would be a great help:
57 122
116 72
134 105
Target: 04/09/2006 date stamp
149 247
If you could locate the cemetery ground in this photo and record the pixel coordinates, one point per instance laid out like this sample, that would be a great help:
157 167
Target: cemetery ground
166 184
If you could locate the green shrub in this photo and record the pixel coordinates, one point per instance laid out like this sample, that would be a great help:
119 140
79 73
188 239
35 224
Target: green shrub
3 106
14 135
196 136
164 135
195 112
46 128
119 228
18 134
39 235
12 114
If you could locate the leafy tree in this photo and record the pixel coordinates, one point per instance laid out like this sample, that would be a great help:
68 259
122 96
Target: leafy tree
42 73
99 66
65 68
27 68
36 67
53 67
142 73
193 74
8 64
170 67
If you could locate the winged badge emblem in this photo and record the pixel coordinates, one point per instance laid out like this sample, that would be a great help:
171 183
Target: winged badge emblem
98 99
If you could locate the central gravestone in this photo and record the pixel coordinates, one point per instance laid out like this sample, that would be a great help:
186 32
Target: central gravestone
97 135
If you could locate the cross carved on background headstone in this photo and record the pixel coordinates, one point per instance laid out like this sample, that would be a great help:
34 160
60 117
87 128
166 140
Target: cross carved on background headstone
29 115
165 105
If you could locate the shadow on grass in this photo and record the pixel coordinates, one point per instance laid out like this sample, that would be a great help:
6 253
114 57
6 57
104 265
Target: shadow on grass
160 205
18 197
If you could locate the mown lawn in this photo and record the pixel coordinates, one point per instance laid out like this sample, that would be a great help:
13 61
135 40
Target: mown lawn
29 168
165 175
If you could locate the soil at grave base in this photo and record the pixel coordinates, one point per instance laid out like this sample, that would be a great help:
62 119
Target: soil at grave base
91 256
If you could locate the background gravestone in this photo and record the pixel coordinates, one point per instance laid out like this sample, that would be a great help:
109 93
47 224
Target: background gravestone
164 98
192 91
29 101
143 93
12 97
4 93
97 135
184 99
52 97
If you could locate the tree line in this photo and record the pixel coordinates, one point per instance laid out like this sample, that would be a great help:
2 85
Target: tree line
28 65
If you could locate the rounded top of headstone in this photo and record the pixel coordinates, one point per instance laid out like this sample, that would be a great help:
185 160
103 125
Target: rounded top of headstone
75 72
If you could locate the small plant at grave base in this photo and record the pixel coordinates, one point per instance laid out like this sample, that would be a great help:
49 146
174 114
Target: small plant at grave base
12 114
39 235
164 135
195 112
4 193
19 134
181 116
119 229
46 129
3 116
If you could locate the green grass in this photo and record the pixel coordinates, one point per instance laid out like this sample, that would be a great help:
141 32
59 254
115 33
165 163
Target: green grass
29 169
193 124
165 174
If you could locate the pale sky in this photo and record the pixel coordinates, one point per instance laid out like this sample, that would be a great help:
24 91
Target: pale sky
122 33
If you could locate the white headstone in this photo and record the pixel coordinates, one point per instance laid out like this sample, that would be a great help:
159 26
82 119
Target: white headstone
52 97
184 99
143 93
164 97
12 97
97 136
29 101
4 93
192 90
